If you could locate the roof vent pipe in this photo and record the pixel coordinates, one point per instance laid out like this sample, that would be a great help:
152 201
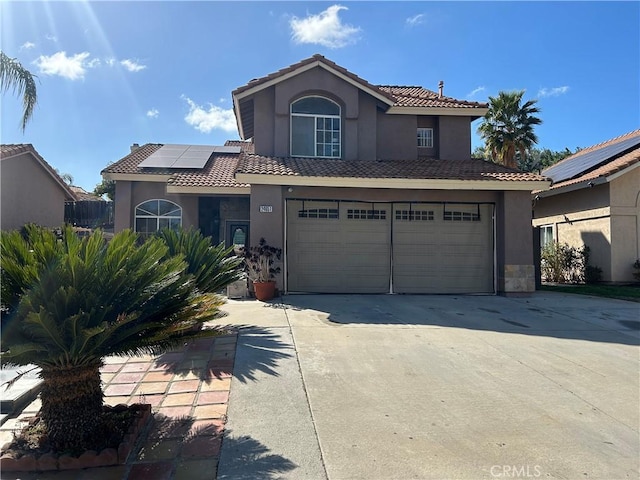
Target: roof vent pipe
440 88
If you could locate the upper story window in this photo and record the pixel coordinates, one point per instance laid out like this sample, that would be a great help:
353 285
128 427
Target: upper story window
315 128
154 215
425 137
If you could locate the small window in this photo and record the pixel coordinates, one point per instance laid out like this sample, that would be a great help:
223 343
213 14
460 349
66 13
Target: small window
454 216
357 214
415 215
318 213
154 215
425 137
546 235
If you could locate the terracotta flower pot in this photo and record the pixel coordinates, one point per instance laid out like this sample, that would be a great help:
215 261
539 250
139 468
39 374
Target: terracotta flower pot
264 290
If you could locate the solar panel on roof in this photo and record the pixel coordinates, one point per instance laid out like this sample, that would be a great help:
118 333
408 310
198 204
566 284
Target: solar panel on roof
228 149
179 156
587 161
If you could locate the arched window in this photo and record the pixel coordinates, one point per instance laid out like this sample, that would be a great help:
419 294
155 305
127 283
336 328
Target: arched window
315 128
154 215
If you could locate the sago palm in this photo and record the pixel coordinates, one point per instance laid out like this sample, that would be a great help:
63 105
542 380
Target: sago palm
69 302
214 267
508 127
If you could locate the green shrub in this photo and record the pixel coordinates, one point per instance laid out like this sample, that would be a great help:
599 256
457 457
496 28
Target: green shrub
636 267
561 263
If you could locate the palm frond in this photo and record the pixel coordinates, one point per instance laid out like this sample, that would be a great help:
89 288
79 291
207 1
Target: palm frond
14 76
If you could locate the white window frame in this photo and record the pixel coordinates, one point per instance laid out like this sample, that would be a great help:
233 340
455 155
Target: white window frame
141 213
316 130
543 235
425 137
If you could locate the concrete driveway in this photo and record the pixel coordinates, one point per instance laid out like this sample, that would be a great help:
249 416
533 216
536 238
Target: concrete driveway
434 387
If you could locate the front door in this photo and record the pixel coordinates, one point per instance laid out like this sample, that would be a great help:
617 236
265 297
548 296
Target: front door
237 234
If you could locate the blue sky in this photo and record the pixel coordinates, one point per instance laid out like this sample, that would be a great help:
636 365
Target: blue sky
115 73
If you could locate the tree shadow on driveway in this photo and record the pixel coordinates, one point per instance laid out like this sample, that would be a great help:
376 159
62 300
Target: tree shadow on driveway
553 316
213 358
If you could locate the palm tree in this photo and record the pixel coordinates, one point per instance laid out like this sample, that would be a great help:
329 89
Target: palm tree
507 127
69 302
14 76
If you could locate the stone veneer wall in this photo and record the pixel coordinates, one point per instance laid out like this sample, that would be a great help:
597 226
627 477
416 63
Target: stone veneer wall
519 279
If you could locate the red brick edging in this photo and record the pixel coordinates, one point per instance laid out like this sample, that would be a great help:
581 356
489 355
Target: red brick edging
90 458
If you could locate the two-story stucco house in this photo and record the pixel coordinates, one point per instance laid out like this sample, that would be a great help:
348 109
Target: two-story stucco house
368 189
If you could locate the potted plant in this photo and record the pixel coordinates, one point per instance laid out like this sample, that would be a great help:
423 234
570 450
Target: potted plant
259 261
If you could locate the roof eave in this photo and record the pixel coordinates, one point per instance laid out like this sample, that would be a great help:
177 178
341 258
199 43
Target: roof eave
474 112
304 68
391 183
136 177
211 190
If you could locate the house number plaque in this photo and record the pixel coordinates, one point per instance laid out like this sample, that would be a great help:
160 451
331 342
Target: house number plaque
266 208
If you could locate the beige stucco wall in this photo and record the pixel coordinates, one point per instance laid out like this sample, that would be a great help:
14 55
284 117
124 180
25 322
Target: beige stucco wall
605 217
625 224
29 194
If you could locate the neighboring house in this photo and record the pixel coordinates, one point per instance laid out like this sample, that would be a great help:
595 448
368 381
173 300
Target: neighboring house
595 200
368 189
30 189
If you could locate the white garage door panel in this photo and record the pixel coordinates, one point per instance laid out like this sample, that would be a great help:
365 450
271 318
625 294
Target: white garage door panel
434 255
337 255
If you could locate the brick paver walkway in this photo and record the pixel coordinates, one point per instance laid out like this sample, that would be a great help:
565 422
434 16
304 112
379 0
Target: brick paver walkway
188 390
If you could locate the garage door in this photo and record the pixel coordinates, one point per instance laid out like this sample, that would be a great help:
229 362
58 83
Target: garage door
357 247
338 247
442 248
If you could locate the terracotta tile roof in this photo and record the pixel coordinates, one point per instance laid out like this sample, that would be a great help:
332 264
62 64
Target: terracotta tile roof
129 163
422 97
10 150
7 150
402 96
406 169
315 58
83 196
245 145
218 172
603 170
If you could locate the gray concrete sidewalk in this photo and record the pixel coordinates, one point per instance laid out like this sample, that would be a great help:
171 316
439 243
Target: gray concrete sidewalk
426 387
270 432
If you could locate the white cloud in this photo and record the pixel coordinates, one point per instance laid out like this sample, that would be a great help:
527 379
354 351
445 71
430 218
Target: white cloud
415 20
27 46
59 63
475 91
110 61
324 29
213 118
93 63
552 92
132 65
153 113
52 38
